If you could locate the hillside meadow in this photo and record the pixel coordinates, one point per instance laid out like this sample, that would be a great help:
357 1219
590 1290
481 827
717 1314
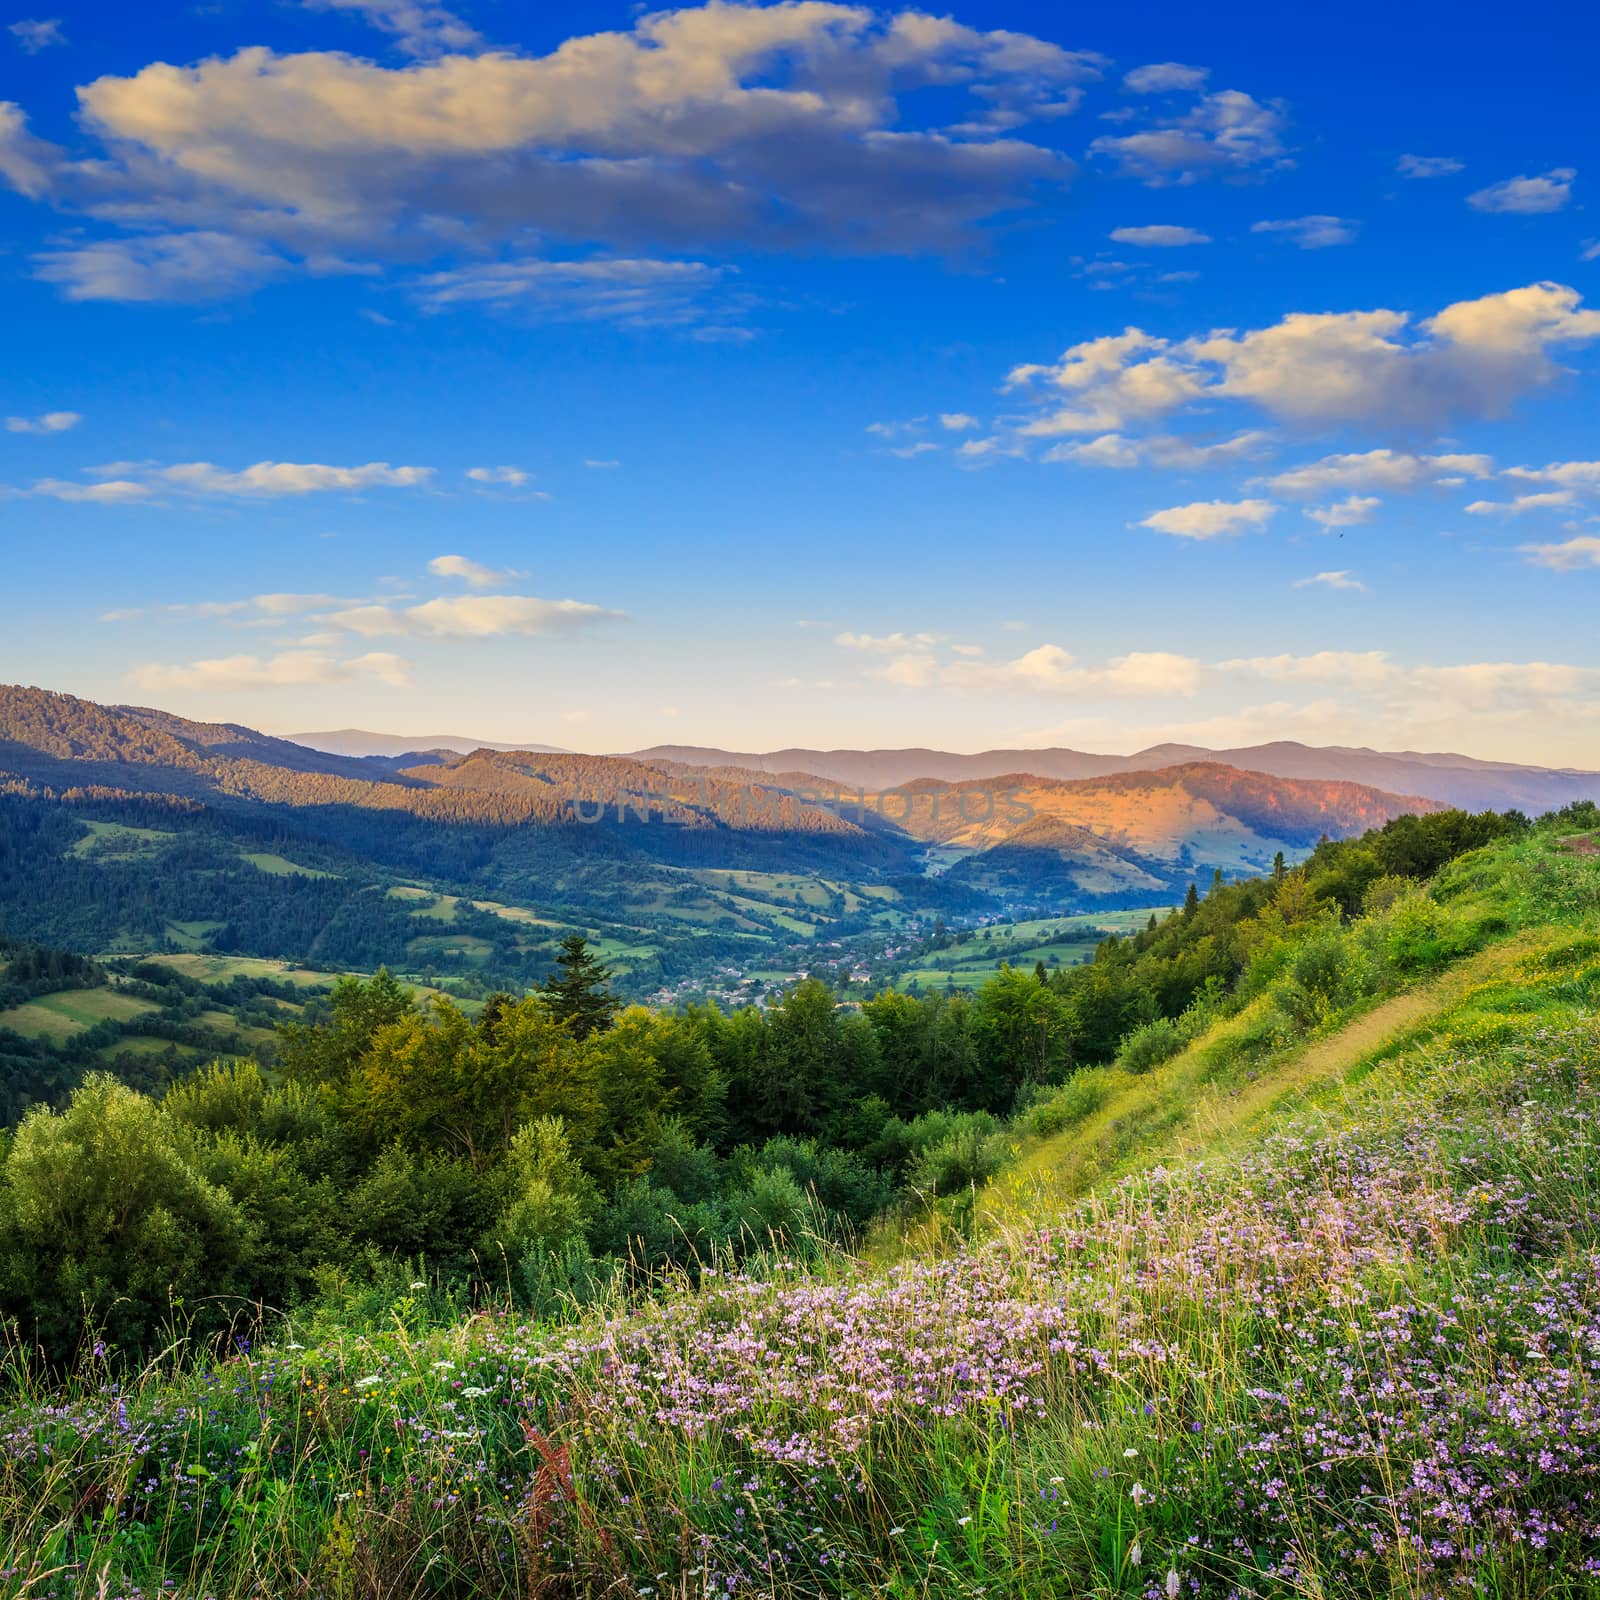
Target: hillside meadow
1304 1303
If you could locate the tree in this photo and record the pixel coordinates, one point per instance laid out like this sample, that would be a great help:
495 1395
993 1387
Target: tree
1191 903
578 993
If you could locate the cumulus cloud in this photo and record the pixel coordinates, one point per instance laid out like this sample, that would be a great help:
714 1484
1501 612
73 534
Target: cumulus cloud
1379 469
1330 580
1226 131
1107 383
476 616
1165 77
1311 233
1572 555
289 669
718 124
1527 196
1427 166
1160 236
1475 357
1347 513
957 421
506 477
1211 519
472 572
50 422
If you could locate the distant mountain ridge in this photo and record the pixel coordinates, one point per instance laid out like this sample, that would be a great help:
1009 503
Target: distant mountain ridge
128 827
1451 779
359 742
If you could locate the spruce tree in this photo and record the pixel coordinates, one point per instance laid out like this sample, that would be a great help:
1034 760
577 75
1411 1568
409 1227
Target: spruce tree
578 992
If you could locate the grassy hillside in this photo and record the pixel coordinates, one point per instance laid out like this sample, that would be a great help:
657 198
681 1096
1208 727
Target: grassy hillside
1309 1308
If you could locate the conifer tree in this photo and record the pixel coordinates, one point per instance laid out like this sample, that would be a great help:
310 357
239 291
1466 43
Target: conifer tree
578 992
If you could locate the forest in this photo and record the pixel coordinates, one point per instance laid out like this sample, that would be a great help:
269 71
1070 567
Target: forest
559 1144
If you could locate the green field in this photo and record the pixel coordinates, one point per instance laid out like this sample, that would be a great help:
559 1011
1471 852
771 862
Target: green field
115 841
1056 941
281 866
208 968
58 1017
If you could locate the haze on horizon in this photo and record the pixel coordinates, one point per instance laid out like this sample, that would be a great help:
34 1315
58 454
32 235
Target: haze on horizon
818 375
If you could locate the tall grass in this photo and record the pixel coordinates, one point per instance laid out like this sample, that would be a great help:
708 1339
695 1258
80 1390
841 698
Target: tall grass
1357 1355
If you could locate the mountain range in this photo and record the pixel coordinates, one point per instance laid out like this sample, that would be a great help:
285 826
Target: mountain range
1451 779
131 828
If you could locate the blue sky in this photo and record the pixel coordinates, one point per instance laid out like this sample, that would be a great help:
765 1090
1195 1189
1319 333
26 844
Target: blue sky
808 374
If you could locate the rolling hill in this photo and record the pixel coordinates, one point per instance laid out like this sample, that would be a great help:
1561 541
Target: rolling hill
133 829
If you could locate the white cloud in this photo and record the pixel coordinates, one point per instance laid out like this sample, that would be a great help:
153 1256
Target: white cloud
1162 450
1049 669
1364 669
418 28
709 125
957 421
34 34
472 572
1572 555
1379 469
635 293
1550 500
1160 236
885 643
511 477
272 478
1330 580
1211 519
50 422
1527 196
202 265
1225 131
290 669
601 465
112 491
477 616
1347 513
1566 474
1311 233
1109 382
1165 77
1474 357
1428 166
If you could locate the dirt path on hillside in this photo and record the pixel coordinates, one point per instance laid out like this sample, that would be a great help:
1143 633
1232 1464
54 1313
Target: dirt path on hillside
1177 1111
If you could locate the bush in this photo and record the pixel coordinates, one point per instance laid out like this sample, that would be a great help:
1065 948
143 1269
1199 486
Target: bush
1051 1111
1151 1044
968 1158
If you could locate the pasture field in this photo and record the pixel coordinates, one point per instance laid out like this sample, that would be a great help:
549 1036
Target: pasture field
58 1017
